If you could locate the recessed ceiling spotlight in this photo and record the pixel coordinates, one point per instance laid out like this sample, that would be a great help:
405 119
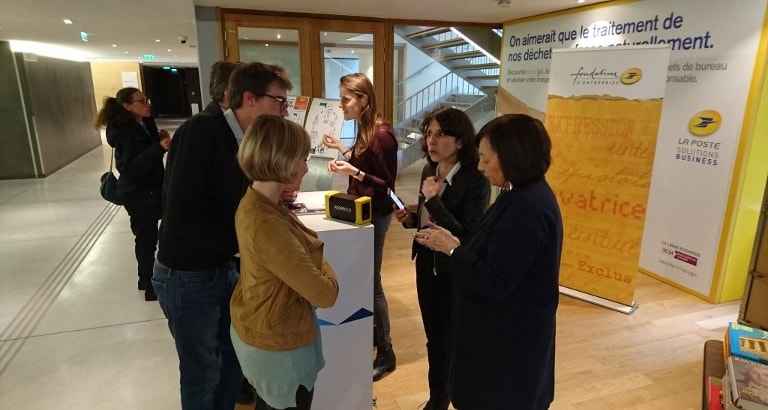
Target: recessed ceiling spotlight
279 36
126 52
114 45
504 3
580 1
157 40
169 50
67 21
266 44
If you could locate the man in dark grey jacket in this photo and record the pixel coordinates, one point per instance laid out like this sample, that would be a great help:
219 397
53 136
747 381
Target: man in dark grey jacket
220 73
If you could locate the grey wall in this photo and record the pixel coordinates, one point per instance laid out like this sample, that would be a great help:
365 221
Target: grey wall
47 109
16 155
63 109
207 46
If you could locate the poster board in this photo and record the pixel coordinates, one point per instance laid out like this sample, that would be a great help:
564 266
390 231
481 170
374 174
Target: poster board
695 184
297 108
324 117
603 113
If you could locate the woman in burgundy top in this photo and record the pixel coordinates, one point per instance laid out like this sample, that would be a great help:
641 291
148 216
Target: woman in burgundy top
371 164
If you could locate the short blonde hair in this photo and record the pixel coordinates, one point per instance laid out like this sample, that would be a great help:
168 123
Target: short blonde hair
270 148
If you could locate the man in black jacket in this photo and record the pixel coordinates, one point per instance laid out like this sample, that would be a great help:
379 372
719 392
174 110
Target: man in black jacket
195 271
221 71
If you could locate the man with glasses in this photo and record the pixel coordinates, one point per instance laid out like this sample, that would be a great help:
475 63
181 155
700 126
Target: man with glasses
195 271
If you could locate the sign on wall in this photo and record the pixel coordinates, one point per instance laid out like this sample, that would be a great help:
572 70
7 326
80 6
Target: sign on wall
713 52
603 114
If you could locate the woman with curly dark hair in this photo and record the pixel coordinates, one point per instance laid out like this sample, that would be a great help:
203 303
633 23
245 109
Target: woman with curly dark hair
139 150
454 195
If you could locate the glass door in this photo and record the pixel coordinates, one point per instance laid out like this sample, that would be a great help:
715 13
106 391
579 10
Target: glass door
280 40
349 47
272 46
345 53
315 52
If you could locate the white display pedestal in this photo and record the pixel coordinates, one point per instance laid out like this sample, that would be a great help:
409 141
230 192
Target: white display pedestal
347 328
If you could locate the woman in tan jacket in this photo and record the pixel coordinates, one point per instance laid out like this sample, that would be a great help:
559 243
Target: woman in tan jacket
283 274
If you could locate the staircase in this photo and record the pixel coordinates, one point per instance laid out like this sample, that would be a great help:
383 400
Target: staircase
471 55
470 52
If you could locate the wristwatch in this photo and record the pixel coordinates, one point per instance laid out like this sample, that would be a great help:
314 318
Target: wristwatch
450 253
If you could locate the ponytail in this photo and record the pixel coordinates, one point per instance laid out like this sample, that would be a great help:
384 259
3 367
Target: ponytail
112 112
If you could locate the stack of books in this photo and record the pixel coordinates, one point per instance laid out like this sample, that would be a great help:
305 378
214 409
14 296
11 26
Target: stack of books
745 383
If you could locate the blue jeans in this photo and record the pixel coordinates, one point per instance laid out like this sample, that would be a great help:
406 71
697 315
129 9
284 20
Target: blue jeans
380 307
196 304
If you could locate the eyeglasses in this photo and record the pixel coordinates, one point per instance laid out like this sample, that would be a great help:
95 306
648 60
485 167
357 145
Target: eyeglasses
144 101
280 100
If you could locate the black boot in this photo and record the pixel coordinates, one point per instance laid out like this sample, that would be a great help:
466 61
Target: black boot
436 405
149 294
384 363
245 394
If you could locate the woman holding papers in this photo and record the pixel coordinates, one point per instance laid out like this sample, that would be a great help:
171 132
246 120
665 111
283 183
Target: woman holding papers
371 164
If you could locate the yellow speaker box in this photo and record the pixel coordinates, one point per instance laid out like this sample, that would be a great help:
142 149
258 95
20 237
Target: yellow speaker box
349 208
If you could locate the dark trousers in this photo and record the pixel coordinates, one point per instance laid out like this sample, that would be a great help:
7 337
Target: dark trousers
303 400
196 304
145 231
434 294
380 308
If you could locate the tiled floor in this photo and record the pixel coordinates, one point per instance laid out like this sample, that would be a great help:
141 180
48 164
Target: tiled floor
75 332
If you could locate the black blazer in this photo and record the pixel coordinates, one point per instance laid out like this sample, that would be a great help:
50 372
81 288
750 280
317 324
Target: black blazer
505 296
203 187
458 210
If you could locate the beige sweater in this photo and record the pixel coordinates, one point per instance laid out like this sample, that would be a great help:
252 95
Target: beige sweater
283 274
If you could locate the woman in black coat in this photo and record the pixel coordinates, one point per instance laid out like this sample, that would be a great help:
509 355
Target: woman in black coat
453 195
506 276
139 150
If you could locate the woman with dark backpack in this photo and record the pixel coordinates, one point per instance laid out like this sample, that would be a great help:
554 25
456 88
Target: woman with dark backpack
139 150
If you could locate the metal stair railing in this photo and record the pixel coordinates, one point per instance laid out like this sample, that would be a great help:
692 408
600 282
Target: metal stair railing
437 91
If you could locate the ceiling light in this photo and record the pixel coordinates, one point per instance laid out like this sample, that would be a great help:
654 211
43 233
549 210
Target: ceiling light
67 21
580 1
114 45
504 3
157 40
169 50
266 44
279 36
